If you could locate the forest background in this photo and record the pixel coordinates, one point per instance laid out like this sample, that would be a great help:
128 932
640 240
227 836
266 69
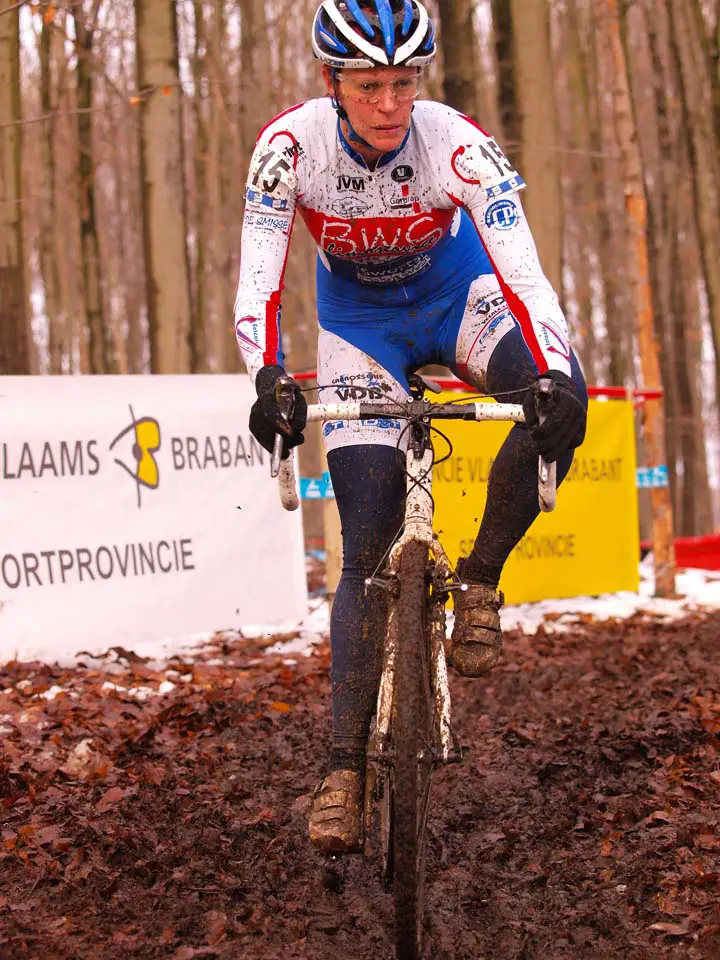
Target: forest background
126 130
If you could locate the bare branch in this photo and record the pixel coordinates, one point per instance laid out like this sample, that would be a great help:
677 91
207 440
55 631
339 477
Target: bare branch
14 6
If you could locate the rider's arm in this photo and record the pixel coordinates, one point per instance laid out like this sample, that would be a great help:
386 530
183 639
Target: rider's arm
270 199
486 184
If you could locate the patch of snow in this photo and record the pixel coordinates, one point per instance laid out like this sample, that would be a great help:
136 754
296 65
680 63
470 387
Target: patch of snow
696 590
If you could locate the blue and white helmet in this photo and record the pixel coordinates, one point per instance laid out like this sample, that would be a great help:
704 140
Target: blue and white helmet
373 33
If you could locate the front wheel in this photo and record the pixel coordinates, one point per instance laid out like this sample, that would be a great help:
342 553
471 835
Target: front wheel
413 748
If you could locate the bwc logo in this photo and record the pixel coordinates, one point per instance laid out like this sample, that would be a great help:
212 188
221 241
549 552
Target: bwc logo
146 442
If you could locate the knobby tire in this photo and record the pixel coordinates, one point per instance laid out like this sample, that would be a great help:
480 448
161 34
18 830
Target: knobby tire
412 736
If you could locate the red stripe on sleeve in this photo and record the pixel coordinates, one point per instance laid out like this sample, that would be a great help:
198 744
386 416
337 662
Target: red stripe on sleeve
279 116
521 314
475 124
272 311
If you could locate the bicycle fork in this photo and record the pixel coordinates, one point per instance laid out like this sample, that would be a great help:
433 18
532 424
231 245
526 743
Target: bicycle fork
418 526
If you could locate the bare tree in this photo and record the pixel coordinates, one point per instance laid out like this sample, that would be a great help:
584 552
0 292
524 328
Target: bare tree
58 349
702 148
506 83
100 347
14 340
163 186
460 52
540 164
636 201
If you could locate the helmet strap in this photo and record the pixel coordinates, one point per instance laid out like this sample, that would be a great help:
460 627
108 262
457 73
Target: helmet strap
342 113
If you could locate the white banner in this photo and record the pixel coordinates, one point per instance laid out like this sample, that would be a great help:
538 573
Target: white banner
135 509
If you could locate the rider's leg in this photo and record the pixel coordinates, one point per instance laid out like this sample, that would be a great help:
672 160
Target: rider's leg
490 352
368 480
369 485
367 471
512 500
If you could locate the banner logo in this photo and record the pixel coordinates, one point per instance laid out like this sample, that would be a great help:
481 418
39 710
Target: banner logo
146 472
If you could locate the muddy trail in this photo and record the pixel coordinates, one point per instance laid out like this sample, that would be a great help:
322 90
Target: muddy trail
150 813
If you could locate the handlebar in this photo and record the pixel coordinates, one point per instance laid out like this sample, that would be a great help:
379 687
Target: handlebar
363 410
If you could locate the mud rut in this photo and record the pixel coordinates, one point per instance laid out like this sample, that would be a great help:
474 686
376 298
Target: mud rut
583 823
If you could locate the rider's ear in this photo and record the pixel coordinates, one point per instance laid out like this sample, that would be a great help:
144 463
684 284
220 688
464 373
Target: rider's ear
328 79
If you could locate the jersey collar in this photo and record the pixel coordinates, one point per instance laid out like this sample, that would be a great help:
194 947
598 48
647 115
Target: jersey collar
358 158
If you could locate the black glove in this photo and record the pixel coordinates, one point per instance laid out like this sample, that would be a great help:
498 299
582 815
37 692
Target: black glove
266 418
563 415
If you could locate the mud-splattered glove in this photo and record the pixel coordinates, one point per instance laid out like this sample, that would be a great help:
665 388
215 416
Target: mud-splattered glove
266 416
556 418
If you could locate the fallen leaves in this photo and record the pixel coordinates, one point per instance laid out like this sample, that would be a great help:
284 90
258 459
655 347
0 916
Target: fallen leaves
160 811
111 798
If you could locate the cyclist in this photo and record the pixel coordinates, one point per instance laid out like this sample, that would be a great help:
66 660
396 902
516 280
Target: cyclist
424 256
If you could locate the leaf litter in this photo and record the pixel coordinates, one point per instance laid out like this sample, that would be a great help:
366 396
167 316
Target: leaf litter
158 811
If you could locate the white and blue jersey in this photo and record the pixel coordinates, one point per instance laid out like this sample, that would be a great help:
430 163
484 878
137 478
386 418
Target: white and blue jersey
436 230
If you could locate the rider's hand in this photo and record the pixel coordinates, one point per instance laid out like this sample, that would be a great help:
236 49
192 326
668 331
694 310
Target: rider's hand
563 415
266 418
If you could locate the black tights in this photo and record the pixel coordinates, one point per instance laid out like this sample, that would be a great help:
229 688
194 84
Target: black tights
369 484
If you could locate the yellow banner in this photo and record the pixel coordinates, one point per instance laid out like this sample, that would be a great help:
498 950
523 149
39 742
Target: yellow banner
590 544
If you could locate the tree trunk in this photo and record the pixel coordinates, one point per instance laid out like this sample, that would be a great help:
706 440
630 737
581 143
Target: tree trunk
540 164
14 337
702 162
220 201
608 208
663 538
459 47
58 348
709 40
100 345
660 169
198 320
163 186
507 96
579 233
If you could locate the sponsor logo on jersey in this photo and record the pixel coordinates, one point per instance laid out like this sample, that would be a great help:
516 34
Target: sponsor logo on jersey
267 222
369 378
381 423
395 274
376 238
349 207
502 215
397 203
249 342
514 183
553 341
359 393
491 327
351 183
490 305
293 152
263 200
402 173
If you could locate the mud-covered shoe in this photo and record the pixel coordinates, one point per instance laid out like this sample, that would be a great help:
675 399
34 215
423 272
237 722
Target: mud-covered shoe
335 823
476 642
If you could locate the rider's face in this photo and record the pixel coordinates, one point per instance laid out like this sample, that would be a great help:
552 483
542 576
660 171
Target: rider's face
383 124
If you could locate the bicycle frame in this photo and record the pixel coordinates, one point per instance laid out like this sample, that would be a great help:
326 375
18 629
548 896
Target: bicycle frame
417 526
400 765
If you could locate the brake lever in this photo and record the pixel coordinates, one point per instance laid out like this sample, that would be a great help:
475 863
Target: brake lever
285 399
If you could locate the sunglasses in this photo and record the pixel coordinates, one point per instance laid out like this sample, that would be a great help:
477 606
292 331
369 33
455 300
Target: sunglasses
373 91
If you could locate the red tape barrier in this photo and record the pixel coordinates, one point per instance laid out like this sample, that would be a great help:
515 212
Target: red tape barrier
700 552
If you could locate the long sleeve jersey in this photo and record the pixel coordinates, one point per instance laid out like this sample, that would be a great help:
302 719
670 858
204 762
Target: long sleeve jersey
387 226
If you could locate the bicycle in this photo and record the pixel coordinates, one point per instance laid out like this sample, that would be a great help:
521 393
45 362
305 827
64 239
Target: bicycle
410 734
